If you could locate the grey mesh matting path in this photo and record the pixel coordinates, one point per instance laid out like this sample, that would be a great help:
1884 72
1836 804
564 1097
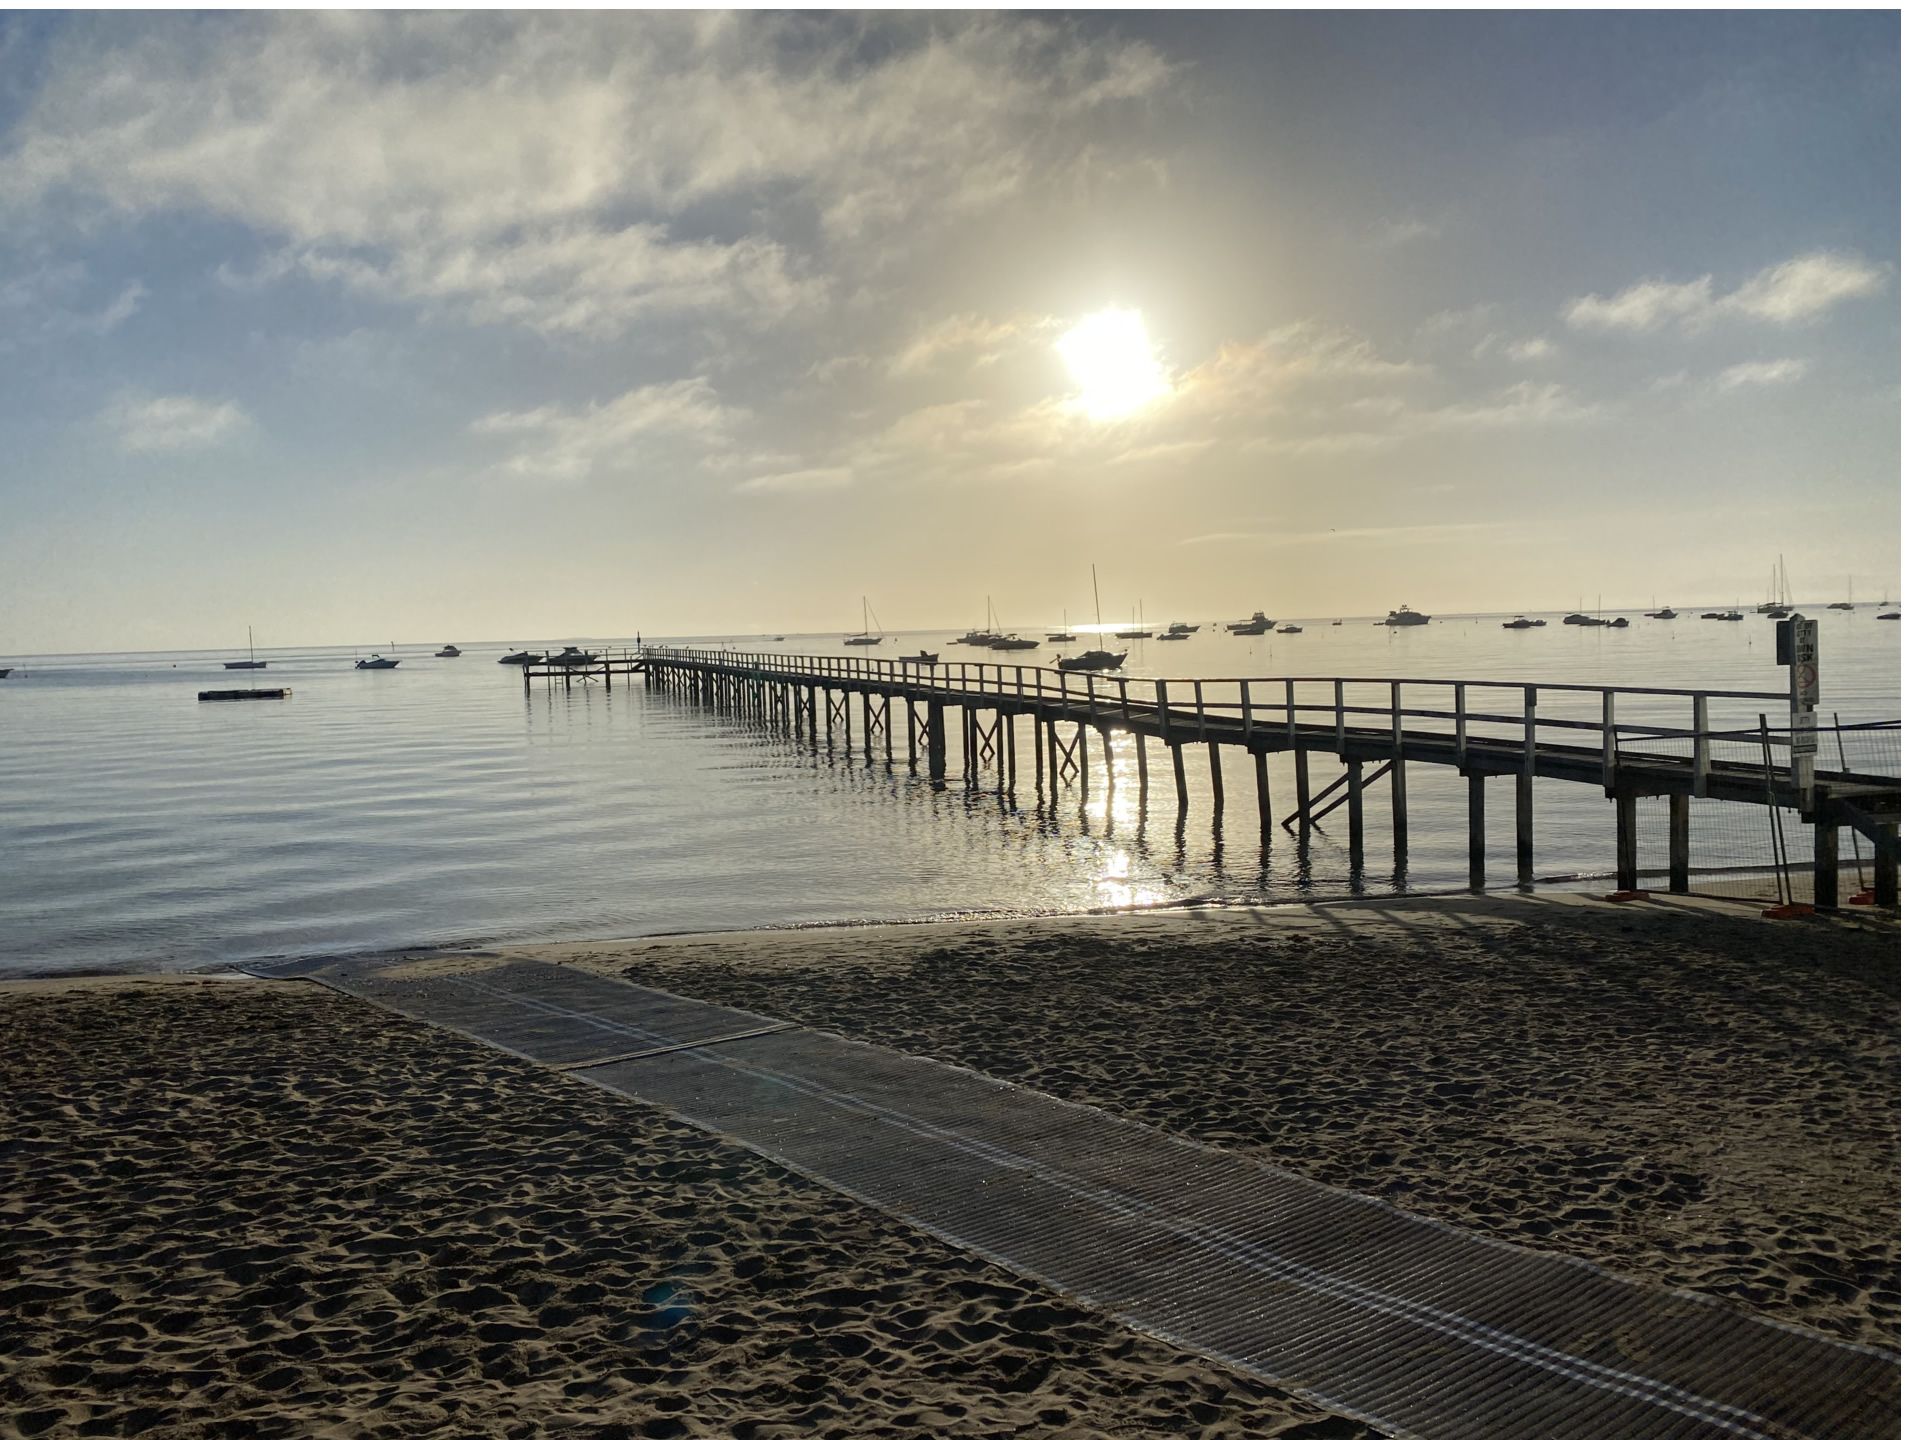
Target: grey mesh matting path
1414 1326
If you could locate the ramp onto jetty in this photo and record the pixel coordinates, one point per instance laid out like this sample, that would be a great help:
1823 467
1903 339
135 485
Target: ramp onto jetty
1413 1326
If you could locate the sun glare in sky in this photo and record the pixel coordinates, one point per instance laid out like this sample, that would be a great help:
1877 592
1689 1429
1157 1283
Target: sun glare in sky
1111 359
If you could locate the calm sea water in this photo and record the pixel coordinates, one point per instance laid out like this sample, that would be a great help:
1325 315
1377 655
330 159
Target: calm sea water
140 829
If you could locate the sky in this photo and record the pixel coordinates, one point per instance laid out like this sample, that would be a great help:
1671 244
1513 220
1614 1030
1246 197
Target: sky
440 326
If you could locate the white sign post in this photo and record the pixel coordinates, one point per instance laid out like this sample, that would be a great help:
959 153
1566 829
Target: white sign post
1797 646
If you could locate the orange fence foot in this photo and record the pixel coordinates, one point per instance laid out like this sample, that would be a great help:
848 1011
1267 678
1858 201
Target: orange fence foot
1786 912
1865 897
1619 895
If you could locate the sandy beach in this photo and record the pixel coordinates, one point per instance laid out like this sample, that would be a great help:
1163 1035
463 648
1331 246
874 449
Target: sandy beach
255 1208
264 1209
1677 1089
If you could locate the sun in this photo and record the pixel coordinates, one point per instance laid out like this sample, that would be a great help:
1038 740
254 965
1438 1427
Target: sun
1111 359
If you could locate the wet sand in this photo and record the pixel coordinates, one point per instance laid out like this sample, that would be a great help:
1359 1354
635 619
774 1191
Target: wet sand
1677 1090
237 1209
263 1209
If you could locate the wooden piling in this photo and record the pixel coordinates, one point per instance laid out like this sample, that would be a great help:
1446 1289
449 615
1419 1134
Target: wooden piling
1261 787
1523 827
1140 763
1040 756
1083 762
1302 785
1398 780
866 725
1053 761
1886 867
936 741
1213 765
1679 845
1826 863
1106 752
886 725
1179 777
1626 841
1356 814
1476 831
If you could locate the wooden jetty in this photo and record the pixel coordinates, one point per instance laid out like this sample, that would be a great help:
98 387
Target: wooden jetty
1675 746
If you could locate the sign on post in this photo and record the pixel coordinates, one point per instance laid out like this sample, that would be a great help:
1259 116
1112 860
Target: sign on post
1796 644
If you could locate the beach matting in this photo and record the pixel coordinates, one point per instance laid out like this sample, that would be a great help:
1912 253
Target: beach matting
1413 1326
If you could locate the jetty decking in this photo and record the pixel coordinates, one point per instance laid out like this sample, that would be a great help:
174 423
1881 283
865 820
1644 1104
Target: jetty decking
1634 742
1414 1326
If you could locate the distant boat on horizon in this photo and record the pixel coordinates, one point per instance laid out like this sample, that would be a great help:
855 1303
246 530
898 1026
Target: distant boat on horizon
517 657
1258 624
249 663
376 662
448 651
1406 615
925 657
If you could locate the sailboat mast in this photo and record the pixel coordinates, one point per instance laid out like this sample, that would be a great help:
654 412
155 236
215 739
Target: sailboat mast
249 644
1096 597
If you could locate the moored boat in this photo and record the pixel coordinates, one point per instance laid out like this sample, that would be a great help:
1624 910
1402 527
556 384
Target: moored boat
1259 624
249 663
925 657
376 662
868 633
1406 615
518 657
447 652
1519 622
1091 660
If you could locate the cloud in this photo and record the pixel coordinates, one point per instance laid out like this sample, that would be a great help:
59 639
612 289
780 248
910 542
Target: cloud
570 172
561 444
1761 373
1791 292
1337 442
48 301
569 280
1806 286
979 340
1396 534
1536 347
1650 305
1528 403
832 477
158 423
1392 234
1249 379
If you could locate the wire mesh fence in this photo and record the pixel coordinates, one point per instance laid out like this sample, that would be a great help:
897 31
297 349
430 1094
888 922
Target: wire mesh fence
1766 851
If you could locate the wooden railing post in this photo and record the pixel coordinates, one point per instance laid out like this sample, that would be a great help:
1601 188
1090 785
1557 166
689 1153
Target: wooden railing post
1399 745
1293 728
1160 699
1460 725
1702 746
1200 709
1607 743
1340 717
1246 713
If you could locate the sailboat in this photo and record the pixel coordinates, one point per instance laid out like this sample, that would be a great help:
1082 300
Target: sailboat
1846 604
1138 630
1092 659
1779 598
249 663
1064 635
868 624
